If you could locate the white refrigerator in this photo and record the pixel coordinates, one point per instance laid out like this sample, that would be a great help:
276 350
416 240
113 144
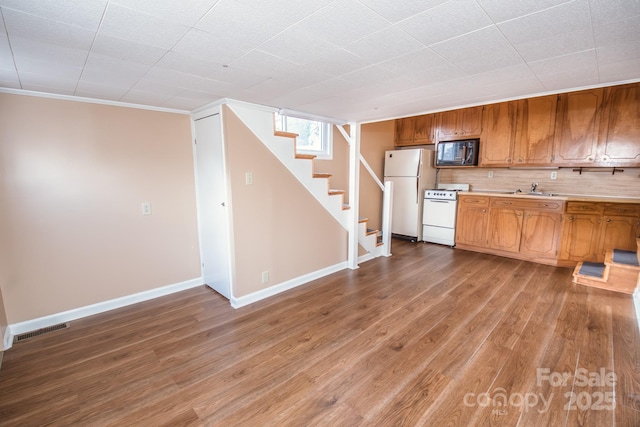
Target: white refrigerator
411 172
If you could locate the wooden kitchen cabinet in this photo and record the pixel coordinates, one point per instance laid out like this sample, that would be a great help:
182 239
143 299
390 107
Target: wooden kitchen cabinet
498 134
535 126
578 128
404 131
505 229
472 220
620 138
460 124
418 130
620 227
580 236
541 234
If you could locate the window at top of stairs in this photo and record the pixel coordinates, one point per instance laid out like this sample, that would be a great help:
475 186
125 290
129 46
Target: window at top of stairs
314 137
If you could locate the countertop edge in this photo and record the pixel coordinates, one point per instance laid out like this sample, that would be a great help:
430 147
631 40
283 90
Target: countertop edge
563 197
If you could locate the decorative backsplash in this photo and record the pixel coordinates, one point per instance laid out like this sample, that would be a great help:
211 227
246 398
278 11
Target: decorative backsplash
601 183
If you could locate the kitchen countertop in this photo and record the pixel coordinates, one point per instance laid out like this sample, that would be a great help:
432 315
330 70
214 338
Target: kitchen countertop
555 196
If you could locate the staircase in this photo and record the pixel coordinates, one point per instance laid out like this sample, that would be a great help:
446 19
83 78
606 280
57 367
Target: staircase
620 271
302 166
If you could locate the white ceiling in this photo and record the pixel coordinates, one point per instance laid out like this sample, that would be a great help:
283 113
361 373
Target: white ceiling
358 60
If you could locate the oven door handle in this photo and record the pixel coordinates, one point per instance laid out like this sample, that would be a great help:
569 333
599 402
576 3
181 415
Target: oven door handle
439 201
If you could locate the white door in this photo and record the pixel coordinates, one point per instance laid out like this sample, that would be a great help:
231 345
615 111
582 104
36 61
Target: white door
212 205
406 206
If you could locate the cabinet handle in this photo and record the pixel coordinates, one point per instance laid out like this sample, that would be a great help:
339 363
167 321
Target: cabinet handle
590 158
509 160
571 218
608 219
605 158
485 211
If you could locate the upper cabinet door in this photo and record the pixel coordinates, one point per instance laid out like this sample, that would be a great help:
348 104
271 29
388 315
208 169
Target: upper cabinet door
498 134
620 139
460 124
577 128
424 129
404 131
535 130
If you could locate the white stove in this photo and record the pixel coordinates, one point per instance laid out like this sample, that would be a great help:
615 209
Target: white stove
439 214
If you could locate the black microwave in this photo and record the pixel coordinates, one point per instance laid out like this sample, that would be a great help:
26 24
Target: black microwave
458 153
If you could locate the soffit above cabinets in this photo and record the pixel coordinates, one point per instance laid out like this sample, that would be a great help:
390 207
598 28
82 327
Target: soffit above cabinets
361 60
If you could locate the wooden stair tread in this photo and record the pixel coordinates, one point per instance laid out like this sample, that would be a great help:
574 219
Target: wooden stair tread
613 279
622 259
363 219
334 192
345 207
285 134
305 156
322 175
591 272
371 231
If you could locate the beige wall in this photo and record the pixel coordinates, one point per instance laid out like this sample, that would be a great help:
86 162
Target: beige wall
278 226
338 166
75 175
375 139
622 184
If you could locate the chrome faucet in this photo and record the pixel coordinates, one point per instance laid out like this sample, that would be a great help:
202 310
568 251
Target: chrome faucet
533 187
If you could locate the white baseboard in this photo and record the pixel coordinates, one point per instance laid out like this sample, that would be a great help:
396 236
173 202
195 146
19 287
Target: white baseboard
285 286
89 310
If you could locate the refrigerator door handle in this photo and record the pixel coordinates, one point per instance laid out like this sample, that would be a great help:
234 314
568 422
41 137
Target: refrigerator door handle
417 191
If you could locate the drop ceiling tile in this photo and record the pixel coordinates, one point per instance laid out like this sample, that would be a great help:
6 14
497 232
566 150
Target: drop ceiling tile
151 86
343 22
135 96
608 11
185 81
42 51
386 44
565 18
500 10
100 91
187 103
187 64
38 29
127 24
415 62
584 63
618 53
338 62
563 81
236 23
84 14
297 45
623 31
3 30
487 42
264 64
46 68
620 70
48 89
126 50
107 70
56 81
170 10
389 8
285 12
9 77
6 56
430 76
446 21
558 45
239 79
222 49
367 76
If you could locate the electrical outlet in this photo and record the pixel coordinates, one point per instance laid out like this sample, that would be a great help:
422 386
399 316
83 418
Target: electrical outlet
554 175
490 174
265 276
248 178
146 208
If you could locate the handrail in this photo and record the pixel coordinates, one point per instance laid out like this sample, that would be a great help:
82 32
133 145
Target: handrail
371 172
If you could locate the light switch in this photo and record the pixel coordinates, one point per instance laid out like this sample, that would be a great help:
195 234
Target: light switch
146 208
249 178
490 174
554 175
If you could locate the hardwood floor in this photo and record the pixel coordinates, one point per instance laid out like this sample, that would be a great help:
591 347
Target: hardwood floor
431 336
